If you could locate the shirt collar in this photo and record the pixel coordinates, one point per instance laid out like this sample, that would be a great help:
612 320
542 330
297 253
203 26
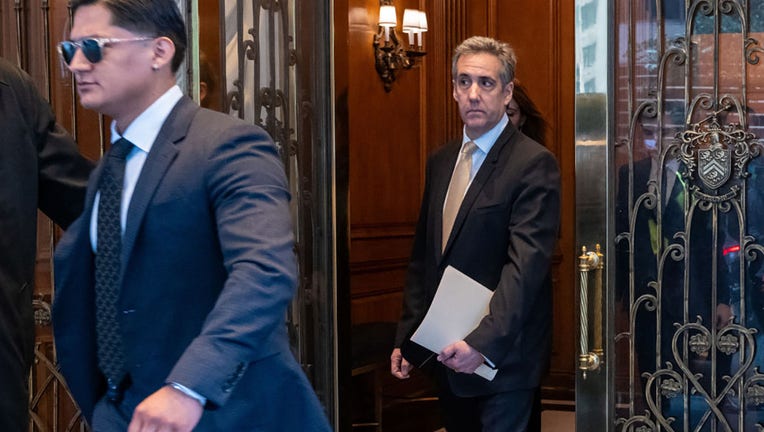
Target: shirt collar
144 129
486 141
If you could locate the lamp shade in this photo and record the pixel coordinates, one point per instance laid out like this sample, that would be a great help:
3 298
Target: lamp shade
422 21
387 16
411 21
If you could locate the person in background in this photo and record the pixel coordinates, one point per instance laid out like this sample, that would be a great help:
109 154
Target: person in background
490 209
208 83
525 116
172 287
40 167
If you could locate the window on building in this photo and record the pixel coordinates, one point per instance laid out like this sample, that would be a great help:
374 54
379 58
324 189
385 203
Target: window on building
589 55
588 15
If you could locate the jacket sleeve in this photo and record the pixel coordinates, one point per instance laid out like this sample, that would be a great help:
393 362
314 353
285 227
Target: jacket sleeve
62 171
415 292
533 227
247 189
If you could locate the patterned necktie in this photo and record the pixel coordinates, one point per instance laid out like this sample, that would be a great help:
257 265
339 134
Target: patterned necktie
459 181
108 262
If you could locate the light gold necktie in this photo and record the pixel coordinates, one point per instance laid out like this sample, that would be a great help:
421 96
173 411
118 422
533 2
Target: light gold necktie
459 181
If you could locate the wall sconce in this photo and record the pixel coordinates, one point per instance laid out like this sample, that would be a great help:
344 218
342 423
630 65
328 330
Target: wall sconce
389 53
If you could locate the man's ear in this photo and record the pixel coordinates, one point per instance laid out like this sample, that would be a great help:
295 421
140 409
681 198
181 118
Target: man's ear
453 91
508 89
203 94
164 50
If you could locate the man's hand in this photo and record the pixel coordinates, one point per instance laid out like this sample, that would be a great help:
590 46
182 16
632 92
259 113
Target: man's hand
461 357
399 366
166 410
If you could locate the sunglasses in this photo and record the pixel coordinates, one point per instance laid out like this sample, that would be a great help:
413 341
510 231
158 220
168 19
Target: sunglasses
91 47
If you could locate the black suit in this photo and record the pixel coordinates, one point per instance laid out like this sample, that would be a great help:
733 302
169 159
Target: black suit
503 237
39 167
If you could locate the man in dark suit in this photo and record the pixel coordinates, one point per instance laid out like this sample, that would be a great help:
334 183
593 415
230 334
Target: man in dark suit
503 237
40 167
186 329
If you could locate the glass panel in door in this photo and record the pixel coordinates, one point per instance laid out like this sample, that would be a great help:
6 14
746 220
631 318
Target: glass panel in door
683 219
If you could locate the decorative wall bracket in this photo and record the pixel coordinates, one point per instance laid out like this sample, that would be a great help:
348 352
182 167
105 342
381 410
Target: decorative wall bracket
390 56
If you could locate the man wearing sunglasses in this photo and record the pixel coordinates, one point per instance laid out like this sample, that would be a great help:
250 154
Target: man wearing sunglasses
173 286
40 167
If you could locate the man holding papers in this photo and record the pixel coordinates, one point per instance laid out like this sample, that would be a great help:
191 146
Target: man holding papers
491 211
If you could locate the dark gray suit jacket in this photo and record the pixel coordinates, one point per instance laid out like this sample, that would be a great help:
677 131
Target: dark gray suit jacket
208 273
40 167
503 237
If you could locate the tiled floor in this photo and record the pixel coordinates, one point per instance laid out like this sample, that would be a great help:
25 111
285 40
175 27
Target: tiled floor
558 421
554 421
423 416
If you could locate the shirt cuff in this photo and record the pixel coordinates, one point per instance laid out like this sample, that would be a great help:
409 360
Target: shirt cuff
188 392
488 362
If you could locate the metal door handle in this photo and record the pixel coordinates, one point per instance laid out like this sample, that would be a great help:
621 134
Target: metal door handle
591 264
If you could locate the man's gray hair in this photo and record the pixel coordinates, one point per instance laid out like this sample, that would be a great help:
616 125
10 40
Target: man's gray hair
482 44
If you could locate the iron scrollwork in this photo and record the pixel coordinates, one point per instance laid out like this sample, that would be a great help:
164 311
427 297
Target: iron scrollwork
707 149
264 89
42 312
265 59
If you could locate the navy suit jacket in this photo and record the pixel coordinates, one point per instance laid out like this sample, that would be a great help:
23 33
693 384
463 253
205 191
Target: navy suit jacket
208 273
503 237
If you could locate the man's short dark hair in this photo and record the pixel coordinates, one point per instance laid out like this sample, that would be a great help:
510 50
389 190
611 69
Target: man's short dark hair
158 18
482 44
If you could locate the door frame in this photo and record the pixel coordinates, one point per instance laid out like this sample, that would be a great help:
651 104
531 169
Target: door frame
594 135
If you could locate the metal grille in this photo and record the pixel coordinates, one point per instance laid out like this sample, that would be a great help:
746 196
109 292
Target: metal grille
688 231
269 84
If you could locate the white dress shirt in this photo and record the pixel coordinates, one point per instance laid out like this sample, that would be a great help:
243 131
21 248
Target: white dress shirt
484 144
141 132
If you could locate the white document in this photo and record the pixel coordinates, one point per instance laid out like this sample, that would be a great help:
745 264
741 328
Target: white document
459 305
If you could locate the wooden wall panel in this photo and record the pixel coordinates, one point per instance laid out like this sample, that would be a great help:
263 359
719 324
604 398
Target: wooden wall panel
385 140
383 307
210 43
448 26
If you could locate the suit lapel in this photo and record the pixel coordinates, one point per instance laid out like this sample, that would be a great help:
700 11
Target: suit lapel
163 152
481 177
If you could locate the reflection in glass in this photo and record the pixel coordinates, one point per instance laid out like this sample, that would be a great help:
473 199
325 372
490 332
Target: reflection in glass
688 278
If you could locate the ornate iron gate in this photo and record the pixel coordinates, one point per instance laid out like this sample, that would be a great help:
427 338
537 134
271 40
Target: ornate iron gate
688 291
